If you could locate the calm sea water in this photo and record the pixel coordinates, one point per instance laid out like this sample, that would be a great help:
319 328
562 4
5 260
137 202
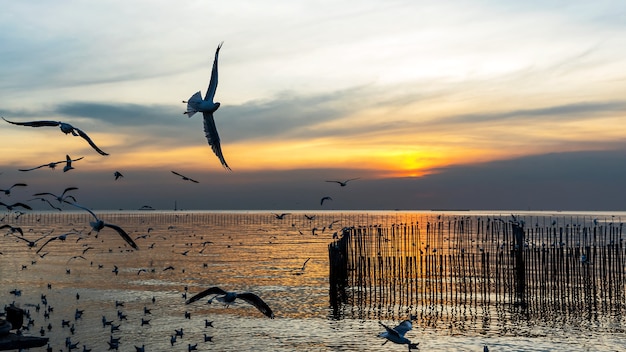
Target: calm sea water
185 252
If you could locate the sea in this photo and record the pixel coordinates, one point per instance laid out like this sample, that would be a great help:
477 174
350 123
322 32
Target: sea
282 259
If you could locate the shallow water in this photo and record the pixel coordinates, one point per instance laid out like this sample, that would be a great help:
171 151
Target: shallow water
248 252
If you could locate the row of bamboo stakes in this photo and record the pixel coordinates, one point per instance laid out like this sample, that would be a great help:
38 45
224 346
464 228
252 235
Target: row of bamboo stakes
533 266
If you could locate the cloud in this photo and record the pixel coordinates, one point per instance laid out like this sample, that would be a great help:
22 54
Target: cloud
582 110
120 114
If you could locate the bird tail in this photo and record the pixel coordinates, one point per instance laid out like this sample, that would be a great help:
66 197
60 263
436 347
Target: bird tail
192 103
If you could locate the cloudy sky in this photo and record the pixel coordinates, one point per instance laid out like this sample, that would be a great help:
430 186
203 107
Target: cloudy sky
477 104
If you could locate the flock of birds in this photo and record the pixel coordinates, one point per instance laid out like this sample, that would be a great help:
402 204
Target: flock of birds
394 334
44 309
196 103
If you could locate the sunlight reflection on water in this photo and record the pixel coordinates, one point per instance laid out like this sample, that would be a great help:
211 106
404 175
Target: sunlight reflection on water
252 253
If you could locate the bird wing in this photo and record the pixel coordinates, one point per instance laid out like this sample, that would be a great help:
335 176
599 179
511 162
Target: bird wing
176 173
209 291
67 190
45 243
213 138
35 123
210 93
44 194
22 238
306 261
124 235
403 327
82 207
13 229
390 331
257 302
91 143
47 201
40 166
18 204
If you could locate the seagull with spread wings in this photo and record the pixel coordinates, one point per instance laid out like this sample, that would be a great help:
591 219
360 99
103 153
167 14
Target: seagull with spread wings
98 225
207 107
396 334
280 216
325 199
8 190
61 238
343 183
46 201
65 128
30 243
185 177
229 297
60 198
52 165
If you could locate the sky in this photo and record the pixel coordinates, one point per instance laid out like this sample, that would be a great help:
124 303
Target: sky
477 104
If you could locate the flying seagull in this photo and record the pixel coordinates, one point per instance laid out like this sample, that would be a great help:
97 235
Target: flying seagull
46 201
117 174
229 297
65 128
185 177
280 216
61 238
8 190
325 199
60 198
13 229
344 183
98 225
31 244
53 164
207 107
396 335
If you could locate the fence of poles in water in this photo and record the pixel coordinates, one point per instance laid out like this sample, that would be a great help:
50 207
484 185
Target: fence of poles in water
536 266
218 218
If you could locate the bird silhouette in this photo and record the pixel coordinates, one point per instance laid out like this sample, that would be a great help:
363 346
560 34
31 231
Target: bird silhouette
53 164
65 128
185 177
98 225
229 297
396 334
18 204
60 198
8 190
61 238
30 243
325 199
343 183
280 216
207 107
